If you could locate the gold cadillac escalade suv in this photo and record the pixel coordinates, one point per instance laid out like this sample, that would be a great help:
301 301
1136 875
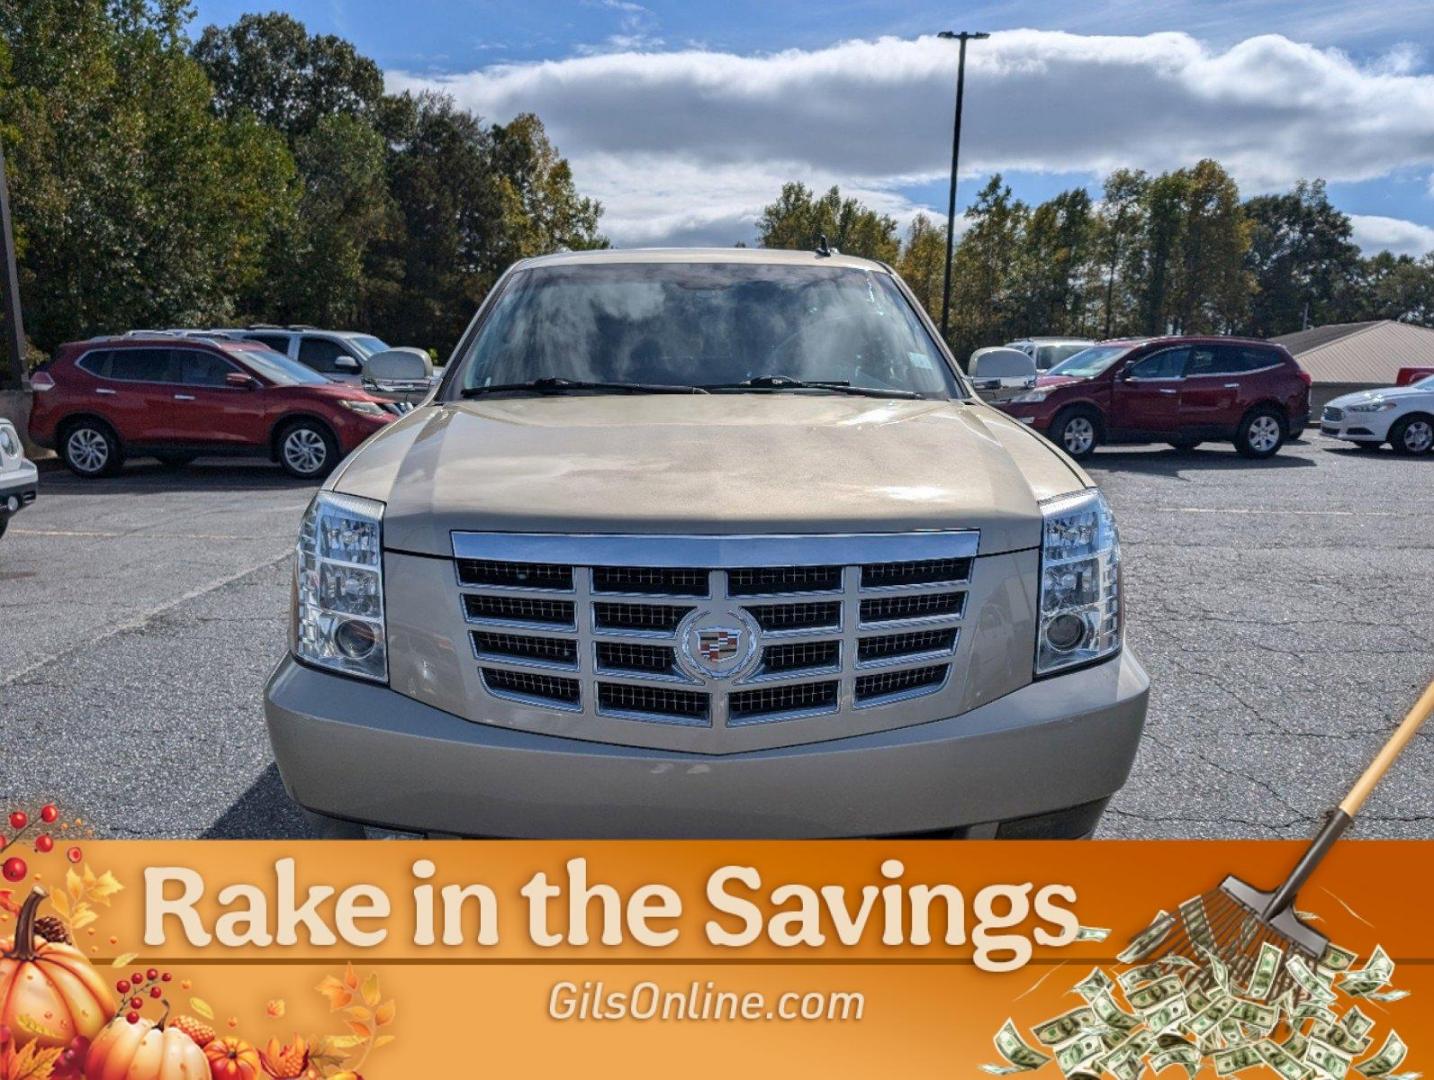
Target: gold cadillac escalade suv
706 543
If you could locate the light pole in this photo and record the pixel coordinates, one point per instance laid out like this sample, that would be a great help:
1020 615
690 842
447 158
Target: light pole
963 37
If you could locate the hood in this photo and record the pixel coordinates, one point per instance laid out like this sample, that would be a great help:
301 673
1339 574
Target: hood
1392 392
727 464
333 391
1057 380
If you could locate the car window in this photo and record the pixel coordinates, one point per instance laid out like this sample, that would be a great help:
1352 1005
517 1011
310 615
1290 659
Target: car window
320 354
96 363
142 365
368 344
278 368
277 342
1048 356
202 368
1229 360
1166 364
1088 363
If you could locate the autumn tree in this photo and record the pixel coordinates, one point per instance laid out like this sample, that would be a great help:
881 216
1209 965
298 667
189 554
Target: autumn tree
1301 259
798 219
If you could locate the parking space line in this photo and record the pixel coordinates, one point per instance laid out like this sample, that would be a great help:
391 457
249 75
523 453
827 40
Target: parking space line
1268 510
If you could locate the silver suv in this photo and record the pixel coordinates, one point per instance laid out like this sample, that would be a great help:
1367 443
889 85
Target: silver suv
337 354
707 543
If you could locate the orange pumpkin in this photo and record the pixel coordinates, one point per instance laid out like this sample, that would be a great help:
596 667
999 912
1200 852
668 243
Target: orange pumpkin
49 994
232 1059
144 1051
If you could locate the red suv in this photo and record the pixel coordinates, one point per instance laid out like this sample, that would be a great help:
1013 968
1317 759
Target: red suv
98 401
1180 390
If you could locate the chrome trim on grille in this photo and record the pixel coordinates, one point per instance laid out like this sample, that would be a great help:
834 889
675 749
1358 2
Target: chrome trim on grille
652 559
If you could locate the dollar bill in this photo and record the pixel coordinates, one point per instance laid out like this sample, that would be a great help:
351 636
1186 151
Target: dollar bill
1020 1057
1185 1055
1094 984
1308 981
1267 966
1282 1061
1235 1059
1340 1038
1355 1022
1217 970
1079 1052
1391 1055
1295 1044
1336 959
1092 933
1151 996
1313 1010
1387 995
1375 974
1329 1060
1197 923
1112 1015
1208 1019
1064 1028
1149 939
1168 1015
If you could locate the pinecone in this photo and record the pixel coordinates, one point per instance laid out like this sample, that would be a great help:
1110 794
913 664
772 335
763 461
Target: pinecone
52 929
197 1030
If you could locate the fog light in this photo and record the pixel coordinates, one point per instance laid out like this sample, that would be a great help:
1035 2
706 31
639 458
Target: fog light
1065 631
12 504
356 640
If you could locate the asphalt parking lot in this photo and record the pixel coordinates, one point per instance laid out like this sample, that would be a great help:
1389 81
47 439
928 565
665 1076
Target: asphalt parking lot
1284 610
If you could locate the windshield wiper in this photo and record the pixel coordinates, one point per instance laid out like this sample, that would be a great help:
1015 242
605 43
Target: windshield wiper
786 382
552 384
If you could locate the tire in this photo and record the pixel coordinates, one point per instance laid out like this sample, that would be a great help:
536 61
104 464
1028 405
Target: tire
4 524
91 449
175 461
1261 433
1186 444
1077 432
307 449
1412 435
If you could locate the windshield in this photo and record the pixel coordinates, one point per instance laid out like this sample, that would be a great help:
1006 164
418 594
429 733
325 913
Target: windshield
367 344
1426 383
706 324
1048 356
278 368
1090 362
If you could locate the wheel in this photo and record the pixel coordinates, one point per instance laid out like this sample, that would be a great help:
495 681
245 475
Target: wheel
308 450
1185 444
1261 434
91 448
1412 435
175 461
4 524
1077 432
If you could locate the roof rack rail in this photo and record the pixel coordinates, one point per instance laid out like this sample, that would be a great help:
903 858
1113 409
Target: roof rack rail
263 326
301 326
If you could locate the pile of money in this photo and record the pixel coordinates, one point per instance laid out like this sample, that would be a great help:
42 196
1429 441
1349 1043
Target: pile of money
1193 1012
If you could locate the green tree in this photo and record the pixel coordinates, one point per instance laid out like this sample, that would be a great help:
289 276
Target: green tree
1120 222
922 262
1211 287
1056 250
271 66
1301 258
798 218
985 306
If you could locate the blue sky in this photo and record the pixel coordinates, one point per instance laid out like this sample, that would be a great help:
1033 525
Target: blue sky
1276 90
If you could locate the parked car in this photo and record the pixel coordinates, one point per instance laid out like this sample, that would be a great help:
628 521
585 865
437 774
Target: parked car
1047 352
336 354
1402 416
1180 390
707 543
19 480
101 401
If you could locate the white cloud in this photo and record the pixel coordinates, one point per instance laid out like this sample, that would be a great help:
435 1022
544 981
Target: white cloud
694 142
1374 233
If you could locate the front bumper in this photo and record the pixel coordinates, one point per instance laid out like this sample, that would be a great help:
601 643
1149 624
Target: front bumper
362 752
18 489
1359 427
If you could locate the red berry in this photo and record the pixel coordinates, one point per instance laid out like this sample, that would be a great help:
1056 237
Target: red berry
137 978
122 986
155 991
132 1017
136 1003
165 977
48 813
152 974
14 869
74 854
19 819
43 844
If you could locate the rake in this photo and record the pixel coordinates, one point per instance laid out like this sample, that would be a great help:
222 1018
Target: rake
1235 920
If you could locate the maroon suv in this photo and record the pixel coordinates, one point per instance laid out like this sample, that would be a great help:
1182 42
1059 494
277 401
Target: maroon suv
1180 390
176 399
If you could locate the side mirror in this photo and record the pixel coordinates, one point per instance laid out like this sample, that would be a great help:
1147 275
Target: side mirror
240 381
404 374
347 363
998 368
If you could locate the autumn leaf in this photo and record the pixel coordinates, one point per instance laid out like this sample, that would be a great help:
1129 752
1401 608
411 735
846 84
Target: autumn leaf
359 1013
74 885
202 1007
338 994
351 979
61 903
383 1040
384 1014
276 1008
123 960
7 902
371 993
101 889
33 1063
363 1031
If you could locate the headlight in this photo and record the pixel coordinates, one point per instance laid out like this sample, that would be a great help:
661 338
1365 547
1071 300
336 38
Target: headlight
1080 618
9 445
339 587
1033 397
1377 405
366 408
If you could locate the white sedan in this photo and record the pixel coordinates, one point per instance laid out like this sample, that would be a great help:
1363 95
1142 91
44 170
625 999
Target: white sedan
18 478
1402 416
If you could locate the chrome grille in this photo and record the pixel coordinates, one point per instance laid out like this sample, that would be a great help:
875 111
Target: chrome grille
840 622
1332 413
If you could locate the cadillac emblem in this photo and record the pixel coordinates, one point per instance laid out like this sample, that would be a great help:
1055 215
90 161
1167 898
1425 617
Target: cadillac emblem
718 643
